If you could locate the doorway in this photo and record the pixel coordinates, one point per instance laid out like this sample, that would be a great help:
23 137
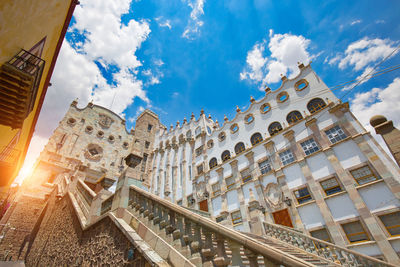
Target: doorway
203 205
282 217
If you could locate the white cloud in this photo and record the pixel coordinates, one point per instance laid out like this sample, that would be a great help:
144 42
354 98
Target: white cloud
194 24
354 22
378 102
380 21
363 78
164 23
100 36
363 52
285 51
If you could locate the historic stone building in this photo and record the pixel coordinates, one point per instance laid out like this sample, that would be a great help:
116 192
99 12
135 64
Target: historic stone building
295 159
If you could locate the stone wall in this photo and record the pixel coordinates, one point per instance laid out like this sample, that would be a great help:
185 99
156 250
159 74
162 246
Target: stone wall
17 224
60 241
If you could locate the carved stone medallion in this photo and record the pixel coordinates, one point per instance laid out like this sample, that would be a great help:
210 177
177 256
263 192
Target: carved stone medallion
273 194
105 121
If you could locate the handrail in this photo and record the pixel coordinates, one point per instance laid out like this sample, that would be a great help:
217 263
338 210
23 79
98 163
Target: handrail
322 248
86 192
170 216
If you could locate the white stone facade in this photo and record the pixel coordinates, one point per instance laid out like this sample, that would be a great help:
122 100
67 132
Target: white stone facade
318 171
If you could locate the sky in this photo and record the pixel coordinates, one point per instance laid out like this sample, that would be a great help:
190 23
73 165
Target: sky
176 57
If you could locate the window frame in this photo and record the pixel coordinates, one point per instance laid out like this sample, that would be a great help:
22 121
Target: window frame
330 188
306 198
318 108
268 160
234 128
218 191
357 233
247 117
283 161
236 219
257 138
222 136
231 185
241 150
342 136
245 175
306 151
373 173
272 131
386 227
322 229
227 156
213 166
263 106
293 114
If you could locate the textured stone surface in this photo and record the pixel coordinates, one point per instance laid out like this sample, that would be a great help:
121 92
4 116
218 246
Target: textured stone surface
61 242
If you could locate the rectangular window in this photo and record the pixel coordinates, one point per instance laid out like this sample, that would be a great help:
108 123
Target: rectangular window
309 146
286 157
199 150
335 134
236 217
265 166
147 144
321 234
391 222
181 174
216 188
230 182
190 172
200 169
144 162
246 176
355 232
302 195
363 175
219 219
331 186
149 127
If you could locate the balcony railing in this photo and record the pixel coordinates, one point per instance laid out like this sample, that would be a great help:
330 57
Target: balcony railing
9 155
19 82
329 251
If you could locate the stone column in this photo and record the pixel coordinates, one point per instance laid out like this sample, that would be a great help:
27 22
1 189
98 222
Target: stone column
256 216
224 202
237 177
184 199
175 172
167 188
281 179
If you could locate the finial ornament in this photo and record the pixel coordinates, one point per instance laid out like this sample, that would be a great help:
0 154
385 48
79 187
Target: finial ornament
171 127
209 116
184 120
225 118
177 123
252 100
192 116
217 123
201 112
267 90
237 109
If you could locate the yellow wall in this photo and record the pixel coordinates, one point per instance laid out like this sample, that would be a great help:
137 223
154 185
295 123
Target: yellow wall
23 24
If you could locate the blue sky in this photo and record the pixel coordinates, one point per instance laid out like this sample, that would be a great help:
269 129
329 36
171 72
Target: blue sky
179 56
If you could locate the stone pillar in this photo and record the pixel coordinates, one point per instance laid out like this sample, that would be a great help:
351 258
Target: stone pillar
281 179
175 172
238 179
121 195
167 188
224 202
184 199
256 216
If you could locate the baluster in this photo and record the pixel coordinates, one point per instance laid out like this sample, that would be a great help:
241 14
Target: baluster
221 259
195 245
236 259
252 257
339 256
208 250
179 240
147 209
171 226
187 237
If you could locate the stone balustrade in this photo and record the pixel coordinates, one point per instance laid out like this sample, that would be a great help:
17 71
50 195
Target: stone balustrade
203 241
331 252
84 196
106 205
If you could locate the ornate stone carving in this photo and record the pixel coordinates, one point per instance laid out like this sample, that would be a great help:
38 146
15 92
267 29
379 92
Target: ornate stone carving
105 121
93 152
273 194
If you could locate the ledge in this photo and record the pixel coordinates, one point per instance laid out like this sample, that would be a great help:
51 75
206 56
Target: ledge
360 244
305 204
336 194
370 183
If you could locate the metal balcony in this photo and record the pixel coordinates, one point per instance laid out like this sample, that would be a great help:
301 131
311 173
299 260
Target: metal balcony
8 162
19 83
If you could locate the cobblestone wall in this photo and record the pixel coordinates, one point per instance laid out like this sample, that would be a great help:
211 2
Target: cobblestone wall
61 242
16 225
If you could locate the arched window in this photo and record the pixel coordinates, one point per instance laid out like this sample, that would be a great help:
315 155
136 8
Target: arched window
225 155
239 148
293 117
213 162
189 134
274 128
256 138
315 104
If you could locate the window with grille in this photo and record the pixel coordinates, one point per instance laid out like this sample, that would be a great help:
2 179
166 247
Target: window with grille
309 146
199 150
331 186
149 127
321 234
230 182
143 168
200 169
190 172
213 162
256 138
225 155
274 128
302 195
236 217
265 166
392 223
335 134
216 189
315 105
239 148
363 175
287 157
355 232
293 117
147 144
246 176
